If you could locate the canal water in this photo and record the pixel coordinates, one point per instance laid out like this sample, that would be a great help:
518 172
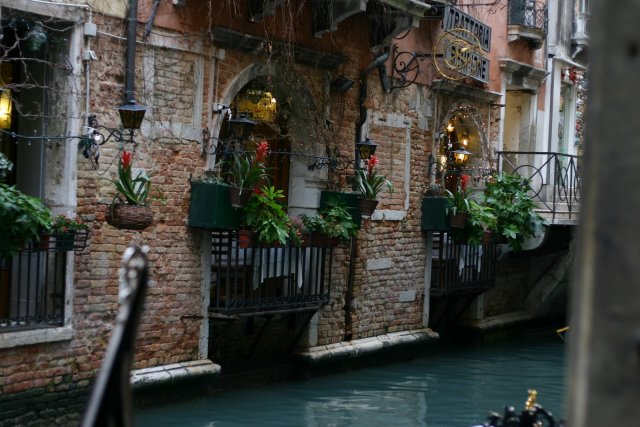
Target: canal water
451 387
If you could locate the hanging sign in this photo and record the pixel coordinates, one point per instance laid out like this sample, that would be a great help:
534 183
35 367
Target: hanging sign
456 19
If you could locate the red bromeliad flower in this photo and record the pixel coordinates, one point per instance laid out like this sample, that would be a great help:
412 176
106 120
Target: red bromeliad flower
126 158
372 163
261 151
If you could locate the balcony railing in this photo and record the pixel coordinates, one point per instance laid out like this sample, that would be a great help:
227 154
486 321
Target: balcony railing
268 279
32 283
555 181
528 13
459 268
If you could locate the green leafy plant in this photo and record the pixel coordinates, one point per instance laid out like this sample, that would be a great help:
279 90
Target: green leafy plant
516 218
23 218
133 191
266 216
64 224
481 219
369 183
5 167
247 170
334 221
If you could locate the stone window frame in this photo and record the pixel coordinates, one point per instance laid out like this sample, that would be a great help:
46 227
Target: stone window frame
64 197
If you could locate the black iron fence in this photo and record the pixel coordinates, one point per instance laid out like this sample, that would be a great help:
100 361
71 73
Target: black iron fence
32 283
258 278
460 268
528 13
555 180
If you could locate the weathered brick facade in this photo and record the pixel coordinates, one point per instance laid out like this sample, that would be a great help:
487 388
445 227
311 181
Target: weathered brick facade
180 78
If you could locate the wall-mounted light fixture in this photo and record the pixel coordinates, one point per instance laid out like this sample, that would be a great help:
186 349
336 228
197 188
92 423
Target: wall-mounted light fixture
366 148
238 131
450 127
131 115
5 109
461 157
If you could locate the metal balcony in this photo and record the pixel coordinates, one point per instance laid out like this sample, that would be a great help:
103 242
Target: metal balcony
527 20
555 181
459 268
261 279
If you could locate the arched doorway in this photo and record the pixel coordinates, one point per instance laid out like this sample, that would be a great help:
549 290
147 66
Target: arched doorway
463 154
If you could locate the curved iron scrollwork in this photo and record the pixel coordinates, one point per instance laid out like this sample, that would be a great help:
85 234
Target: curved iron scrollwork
406 67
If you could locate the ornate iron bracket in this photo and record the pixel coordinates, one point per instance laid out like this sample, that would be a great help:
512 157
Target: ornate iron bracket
406 66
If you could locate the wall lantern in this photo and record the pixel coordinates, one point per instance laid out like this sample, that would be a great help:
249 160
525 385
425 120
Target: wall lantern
131 115
450 128
240 128
461 157
366 148
5 109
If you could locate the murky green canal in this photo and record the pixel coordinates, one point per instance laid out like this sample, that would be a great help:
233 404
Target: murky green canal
451 387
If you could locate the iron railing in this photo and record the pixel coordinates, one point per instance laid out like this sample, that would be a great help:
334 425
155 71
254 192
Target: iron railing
555 180
260 278
528 13
32 283
460 268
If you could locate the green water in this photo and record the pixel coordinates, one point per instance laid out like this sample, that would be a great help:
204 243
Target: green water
451 387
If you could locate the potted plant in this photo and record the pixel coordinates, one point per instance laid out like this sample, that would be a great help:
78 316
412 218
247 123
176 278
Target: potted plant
265 216
480 224
209 206
434 209
130 208
64 231
516 218
369 183
23 218
330 225
245 172
458 207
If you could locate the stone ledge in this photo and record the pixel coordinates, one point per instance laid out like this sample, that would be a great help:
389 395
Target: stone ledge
365 346
35 336
178 371
499 322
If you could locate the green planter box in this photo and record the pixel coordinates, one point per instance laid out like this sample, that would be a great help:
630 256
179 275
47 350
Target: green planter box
210 207
349 200
434 214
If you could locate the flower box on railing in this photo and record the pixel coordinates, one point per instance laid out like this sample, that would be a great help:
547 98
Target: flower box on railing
210 208
434 214
351 201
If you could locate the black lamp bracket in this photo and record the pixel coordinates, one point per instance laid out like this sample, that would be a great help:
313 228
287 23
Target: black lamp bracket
95 138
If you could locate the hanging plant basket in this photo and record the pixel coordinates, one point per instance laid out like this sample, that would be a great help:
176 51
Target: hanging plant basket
367 206
239 197
130 217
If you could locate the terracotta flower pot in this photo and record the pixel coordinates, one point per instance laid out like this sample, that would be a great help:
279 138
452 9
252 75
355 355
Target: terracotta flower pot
245 238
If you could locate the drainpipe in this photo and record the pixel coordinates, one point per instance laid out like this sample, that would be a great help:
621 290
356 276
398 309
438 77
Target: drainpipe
363 93
130 64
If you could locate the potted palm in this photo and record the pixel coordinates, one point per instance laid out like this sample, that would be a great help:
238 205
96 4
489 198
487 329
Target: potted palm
370 183
130 208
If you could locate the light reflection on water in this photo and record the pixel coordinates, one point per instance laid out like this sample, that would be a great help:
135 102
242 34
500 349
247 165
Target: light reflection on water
451 388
